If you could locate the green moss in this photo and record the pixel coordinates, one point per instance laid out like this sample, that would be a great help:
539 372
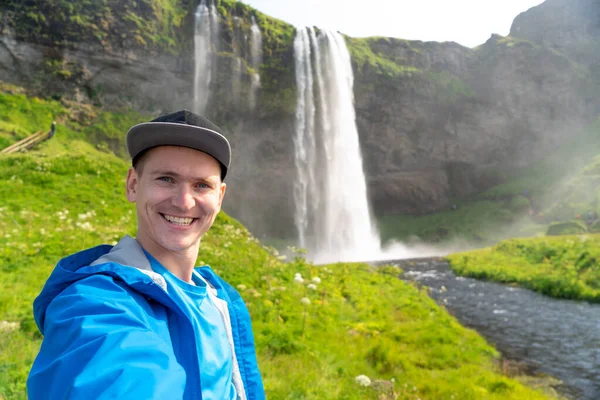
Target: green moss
450 88
362 53
110 24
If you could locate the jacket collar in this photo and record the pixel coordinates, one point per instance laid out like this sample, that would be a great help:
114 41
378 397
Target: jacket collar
128 252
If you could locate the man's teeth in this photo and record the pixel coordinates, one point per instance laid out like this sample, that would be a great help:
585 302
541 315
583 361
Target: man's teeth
178 220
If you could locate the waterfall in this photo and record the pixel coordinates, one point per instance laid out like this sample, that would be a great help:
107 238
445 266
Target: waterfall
304 138
205 35
255 60
236 80
332 211
237 43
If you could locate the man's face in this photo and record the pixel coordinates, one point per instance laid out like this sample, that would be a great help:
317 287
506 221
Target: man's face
178 194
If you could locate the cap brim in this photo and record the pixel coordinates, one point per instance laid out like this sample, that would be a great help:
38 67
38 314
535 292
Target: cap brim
151 134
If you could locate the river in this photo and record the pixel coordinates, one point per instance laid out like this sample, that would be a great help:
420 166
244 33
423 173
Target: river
557 337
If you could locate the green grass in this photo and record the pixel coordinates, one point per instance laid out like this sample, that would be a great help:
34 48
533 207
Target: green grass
67 195
565 266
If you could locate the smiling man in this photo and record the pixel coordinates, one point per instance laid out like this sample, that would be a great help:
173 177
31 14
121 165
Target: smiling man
137 320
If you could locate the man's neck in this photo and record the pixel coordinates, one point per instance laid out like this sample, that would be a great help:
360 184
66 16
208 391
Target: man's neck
180 264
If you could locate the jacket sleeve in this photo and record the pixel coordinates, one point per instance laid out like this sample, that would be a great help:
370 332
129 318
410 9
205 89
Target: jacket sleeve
104 341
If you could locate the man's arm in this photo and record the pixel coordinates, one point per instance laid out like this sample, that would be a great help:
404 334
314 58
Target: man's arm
103 340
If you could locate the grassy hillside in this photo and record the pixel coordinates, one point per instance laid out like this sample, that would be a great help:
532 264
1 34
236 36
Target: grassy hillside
562 186
566 267
313 341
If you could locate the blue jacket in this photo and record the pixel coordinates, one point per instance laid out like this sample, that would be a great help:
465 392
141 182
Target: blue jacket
109 322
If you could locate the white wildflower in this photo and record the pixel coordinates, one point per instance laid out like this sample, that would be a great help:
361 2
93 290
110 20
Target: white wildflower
87 215
241 287
363 380
312 286
298 278
316 279
305 301
86 226
42 231
6 326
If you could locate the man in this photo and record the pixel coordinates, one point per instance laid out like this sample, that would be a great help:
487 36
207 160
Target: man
137 321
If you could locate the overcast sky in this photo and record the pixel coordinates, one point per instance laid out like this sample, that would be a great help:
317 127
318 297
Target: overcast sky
468 22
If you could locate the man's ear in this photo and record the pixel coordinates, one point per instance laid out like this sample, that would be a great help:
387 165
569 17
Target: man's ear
222 193
131 184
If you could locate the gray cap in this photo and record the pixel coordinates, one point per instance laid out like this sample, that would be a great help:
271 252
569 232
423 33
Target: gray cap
181 128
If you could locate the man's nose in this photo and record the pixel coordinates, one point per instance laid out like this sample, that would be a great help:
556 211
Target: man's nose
184 198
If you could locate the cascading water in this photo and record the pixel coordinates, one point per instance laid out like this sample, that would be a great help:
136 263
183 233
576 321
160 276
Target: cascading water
237 43
206 33
332 211
255 60
304 138
236 80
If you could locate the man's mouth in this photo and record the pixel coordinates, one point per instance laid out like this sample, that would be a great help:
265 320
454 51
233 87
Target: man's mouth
181 221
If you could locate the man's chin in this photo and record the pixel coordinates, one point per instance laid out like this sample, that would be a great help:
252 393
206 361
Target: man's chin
177 246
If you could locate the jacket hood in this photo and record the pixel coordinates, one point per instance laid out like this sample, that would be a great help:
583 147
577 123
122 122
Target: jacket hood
126 261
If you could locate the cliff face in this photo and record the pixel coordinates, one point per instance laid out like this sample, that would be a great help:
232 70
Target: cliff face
573 27
436 120
452 118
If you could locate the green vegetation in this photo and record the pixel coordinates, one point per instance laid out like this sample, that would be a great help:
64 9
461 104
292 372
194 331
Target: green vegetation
22 116
277 94
67 195
365 52
143 24
450 88
566 267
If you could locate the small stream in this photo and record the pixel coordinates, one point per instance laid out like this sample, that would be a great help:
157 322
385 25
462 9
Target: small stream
558 337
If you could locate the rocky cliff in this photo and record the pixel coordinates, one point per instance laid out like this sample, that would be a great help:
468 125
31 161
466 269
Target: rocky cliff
436 120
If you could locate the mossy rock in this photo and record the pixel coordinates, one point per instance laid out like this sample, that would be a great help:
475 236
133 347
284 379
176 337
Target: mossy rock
567 228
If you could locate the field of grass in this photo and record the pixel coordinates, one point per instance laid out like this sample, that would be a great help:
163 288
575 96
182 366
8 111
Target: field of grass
562 266
313 341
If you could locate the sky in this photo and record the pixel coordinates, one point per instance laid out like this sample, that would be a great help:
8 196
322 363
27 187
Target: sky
468 22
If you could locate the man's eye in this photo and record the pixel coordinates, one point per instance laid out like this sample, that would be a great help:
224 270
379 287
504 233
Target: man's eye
165 179
203 186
